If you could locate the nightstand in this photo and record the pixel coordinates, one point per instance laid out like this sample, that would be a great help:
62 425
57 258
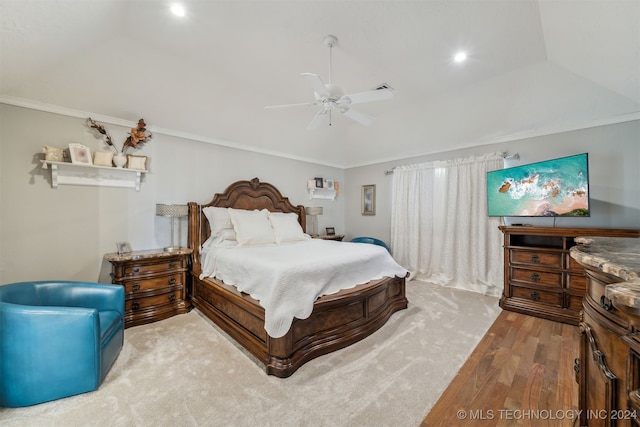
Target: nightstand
155 283
337 237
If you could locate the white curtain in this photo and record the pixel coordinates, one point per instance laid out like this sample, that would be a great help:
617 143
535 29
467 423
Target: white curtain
440 230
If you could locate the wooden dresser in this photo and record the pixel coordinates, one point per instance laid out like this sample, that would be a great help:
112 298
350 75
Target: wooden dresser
608 366
155 283
540 278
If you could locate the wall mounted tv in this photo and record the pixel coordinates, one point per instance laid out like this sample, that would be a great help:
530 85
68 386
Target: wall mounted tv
558 187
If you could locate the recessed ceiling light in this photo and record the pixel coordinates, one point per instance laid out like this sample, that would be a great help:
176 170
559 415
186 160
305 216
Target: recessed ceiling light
177 9
460 56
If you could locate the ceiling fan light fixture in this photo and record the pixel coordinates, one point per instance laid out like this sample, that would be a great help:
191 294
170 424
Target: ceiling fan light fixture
330 96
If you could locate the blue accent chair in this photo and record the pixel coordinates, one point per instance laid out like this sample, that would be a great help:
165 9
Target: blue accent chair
371 240
57 339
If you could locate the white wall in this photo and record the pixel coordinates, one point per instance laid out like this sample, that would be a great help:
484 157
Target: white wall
63 233
614 175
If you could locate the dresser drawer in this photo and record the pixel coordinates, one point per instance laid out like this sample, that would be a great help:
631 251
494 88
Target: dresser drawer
134 285
163 266
545 259
538 277
152 301
577 282
537 295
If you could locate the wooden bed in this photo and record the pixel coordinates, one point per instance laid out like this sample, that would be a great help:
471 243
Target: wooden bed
337 320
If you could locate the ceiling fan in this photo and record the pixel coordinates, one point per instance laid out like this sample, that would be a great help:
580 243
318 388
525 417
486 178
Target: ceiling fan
332 97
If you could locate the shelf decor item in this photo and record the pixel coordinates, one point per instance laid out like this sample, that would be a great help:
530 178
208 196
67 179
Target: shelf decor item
172 211
138 135
80 154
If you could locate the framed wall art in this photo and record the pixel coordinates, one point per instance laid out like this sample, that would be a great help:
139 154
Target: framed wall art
368 199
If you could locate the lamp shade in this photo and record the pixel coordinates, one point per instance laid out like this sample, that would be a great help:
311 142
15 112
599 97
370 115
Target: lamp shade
313 210
172 210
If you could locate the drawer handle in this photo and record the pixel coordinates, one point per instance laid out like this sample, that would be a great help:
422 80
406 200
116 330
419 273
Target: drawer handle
535 296
172 298
135 287
535 259
136 270
605 303
172 281
535 277
172 265
135 305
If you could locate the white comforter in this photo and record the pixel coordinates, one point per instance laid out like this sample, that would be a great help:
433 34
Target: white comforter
287 279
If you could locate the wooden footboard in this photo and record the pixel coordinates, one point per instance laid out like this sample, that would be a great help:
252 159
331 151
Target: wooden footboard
337 321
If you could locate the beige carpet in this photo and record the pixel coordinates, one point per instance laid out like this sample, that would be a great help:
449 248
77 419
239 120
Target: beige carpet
183 372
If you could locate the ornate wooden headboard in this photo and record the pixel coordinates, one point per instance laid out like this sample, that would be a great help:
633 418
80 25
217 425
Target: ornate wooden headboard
247 195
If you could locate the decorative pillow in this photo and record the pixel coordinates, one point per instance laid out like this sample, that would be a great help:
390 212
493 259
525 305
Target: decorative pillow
252 227
136 162
53 154
286 227
102 158
219 220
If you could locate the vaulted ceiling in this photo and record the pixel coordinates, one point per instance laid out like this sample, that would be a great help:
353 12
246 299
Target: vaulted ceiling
533 66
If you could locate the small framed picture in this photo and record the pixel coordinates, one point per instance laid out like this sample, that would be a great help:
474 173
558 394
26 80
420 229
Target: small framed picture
123 248
80 154
330 184
319 182
331 231
368 200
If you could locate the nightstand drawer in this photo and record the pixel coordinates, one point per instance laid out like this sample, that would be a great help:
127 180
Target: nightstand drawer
545 259
537 295
164 266
543 278
153 301
137 285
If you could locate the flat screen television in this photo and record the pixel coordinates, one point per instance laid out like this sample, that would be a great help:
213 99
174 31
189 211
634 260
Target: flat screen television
558 187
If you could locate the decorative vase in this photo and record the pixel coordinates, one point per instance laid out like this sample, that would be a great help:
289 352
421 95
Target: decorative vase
119 159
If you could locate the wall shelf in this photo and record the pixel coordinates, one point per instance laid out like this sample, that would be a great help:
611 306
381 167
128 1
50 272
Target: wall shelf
329 191
322 193
64 173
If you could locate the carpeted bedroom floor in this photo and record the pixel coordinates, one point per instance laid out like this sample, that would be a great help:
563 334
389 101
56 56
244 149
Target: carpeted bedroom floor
183 371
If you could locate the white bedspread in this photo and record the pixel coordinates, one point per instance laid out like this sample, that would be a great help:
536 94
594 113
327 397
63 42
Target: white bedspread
287 279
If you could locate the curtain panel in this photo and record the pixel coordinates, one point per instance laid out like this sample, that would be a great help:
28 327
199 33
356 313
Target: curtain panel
440 230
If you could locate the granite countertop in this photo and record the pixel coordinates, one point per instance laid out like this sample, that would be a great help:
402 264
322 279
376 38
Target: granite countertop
619 257
151 253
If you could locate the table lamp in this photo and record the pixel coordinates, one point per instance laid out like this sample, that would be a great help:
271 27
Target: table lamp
172 211
313 212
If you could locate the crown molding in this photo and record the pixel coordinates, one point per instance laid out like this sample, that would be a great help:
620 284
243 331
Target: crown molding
70 112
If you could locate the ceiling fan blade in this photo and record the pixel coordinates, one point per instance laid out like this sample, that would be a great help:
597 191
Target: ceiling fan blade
316 84
317 119
278 107
370 96
357 116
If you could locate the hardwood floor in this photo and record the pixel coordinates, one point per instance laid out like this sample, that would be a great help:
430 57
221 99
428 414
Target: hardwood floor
520 374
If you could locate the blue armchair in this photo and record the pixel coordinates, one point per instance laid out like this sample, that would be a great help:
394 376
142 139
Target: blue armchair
57 339
371 240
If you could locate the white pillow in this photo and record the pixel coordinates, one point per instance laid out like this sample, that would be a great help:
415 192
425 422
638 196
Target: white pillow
219 221
226 235
252 227
286 227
